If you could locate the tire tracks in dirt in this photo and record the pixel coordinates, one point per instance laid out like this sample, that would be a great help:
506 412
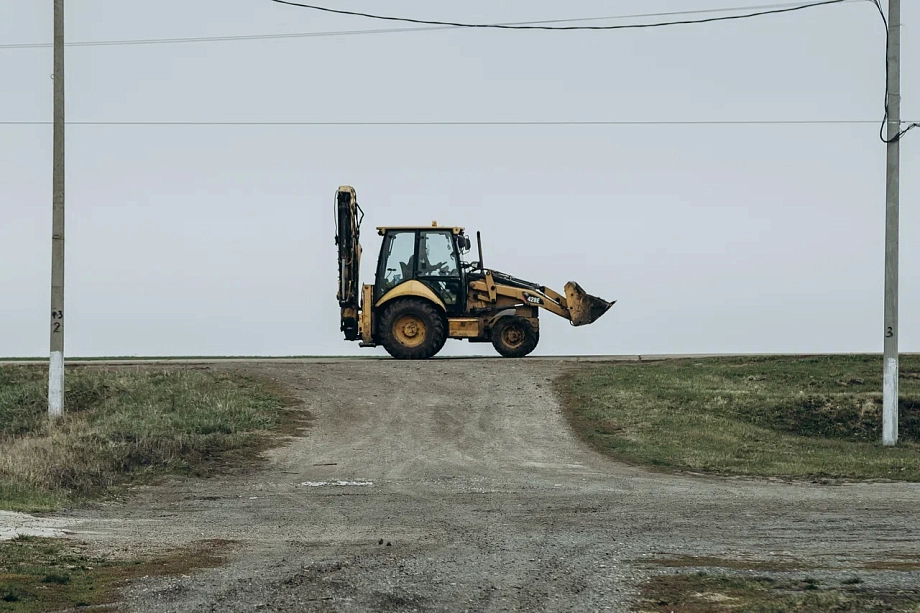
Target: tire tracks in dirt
482 499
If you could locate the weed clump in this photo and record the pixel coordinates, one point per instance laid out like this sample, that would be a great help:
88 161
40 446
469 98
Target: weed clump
58 578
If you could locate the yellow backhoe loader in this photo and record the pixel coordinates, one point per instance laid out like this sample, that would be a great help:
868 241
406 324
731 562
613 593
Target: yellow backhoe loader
426 293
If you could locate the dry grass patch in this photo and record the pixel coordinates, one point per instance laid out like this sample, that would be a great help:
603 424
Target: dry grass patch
791 417
54 575
903 565
705 593
127 424
777 565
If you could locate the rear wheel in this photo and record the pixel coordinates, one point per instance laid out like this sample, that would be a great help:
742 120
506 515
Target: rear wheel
412 329
514 337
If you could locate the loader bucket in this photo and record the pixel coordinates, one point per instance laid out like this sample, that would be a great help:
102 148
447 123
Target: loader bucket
583 307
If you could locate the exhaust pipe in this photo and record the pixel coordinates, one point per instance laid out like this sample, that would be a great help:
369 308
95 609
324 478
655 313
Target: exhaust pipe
584 308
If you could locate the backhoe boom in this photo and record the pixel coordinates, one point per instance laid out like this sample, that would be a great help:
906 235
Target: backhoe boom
348 239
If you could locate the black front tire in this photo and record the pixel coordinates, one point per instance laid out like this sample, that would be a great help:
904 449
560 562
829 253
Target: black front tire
412 329
514 337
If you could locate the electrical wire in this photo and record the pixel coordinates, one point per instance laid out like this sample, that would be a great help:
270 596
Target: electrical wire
762 10
245 37
771 11
774 11
900 134
717 122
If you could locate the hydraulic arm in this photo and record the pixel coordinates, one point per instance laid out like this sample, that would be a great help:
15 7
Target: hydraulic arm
348 239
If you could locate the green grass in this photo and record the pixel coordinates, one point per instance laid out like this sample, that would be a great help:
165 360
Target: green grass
795 417
39 575
125 424
719 593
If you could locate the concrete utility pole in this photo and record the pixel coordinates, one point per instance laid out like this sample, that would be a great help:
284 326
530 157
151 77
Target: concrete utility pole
56 366
890 381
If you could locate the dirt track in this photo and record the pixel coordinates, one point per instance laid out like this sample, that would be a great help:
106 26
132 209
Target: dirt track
483 498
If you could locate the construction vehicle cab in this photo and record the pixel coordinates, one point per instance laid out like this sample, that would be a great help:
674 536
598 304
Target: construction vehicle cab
428 255
425 292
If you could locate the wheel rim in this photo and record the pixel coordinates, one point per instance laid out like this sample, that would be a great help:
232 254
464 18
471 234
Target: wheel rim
513 337
410 331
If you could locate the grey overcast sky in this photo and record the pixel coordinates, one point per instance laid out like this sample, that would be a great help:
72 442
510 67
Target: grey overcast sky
211 240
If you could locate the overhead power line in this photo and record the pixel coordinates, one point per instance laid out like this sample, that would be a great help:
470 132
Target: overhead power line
501 26
334 33
716 122
911 125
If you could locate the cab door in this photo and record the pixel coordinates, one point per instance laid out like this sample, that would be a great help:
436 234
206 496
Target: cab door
438 267
396 262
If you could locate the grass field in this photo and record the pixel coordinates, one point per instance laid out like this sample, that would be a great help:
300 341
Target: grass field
125 424
808 417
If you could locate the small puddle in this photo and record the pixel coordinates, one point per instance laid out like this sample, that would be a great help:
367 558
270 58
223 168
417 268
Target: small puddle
336 483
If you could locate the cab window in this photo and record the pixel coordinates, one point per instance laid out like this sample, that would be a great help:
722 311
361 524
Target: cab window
397 262
438 267
436 255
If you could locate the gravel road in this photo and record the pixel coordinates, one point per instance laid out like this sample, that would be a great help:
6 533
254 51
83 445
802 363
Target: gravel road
455 485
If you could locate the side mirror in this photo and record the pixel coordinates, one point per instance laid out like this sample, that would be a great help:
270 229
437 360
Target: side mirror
467 245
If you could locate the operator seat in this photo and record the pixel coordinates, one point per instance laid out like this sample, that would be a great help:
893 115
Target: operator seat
408 268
